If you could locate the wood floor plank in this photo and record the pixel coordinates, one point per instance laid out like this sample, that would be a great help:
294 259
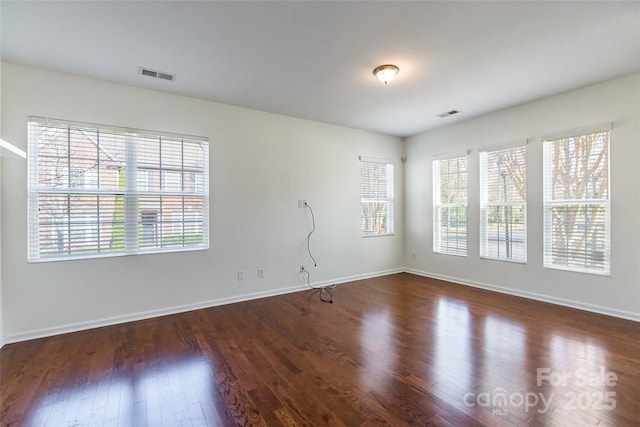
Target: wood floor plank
398 350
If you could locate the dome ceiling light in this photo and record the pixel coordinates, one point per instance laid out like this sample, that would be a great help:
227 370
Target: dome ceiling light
386 73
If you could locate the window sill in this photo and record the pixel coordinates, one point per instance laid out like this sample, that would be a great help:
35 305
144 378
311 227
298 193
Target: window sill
376 235
579 270
511 261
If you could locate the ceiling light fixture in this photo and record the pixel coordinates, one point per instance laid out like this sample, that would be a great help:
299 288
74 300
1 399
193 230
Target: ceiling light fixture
386 73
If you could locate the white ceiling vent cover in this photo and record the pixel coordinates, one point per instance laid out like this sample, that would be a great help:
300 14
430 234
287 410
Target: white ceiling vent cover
157 74
448 113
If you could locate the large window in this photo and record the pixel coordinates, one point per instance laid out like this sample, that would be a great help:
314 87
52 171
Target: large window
450 206
376 197
576 202
102 191
503 204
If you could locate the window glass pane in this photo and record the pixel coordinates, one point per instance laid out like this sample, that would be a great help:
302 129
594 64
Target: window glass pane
452 230
111 159
77 224
580 167
172 181
53 156
374 217
506 172
506 236
578 236
171 157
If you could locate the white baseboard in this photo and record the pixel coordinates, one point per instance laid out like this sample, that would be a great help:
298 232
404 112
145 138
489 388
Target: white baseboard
358 277
115 320
109 321
628 315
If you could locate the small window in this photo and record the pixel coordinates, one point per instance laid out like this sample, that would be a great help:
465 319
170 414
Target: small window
450 206
503 204
576 202
102 191
376 197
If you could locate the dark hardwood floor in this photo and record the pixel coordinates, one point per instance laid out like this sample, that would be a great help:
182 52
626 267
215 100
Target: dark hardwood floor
399 350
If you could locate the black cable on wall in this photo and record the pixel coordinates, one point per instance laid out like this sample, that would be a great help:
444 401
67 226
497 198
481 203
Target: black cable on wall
324 290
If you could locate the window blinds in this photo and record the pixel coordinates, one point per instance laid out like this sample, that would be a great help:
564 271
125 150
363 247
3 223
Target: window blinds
576 203
376 197
503 204
102 191
450 205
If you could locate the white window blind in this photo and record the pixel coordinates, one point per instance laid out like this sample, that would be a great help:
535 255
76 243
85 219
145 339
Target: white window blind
450 206
503 204
376 197
102 191
576 203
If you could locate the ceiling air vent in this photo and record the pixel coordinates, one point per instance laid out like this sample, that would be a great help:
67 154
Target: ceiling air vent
157 74
448 113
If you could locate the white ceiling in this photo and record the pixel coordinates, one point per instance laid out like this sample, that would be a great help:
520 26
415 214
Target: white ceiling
315 59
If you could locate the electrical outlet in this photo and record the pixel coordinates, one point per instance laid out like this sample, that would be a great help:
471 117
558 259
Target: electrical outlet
261 273
240 276
413 255
302 204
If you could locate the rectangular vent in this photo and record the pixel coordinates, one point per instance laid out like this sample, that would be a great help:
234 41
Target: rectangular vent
149 73
448 113
165 76
157 74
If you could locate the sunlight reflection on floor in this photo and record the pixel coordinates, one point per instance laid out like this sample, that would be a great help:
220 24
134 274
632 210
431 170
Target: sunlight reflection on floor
165 392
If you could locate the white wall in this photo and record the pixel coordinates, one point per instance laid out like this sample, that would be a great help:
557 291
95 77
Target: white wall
616 101
261 164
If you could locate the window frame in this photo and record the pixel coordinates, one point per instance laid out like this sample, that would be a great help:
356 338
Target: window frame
485 204
436 166
549 202
194 149
388 200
